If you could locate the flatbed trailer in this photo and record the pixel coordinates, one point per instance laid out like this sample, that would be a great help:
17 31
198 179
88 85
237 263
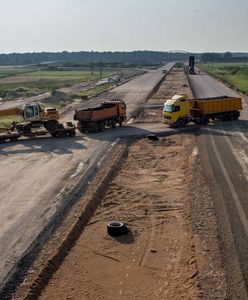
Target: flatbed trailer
65 131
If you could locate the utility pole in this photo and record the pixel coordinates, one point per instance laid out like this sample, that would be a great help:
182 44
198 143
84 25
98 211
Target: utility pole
101 66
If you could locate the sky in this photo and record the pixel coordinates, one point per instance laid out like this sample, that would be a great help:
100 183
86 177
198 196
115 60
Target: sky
123 25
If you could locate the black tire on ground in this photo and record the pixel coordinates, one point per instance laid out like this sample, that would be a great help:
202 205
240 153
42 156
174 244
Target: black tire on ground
116 228
120 122
72 133
152 136
180 123
113 123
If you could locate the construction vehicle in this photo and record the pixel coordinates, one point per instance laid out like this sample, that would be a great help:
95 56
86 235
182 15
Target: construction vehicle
34 119
95 119
180 110
191 64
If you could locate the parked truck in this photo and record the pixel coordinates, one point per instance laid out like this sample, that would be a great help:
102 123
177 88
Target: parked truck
191 64
35 122
95 119
180 110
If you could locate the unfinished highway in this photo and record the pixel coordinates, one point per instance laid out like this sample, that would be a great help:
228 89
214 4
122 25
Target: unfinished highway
223 148
41 178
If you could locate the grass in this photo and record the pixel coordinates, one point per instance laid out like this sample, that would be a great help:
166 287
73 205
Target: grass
5 122
235 74
94 91
45 81
12 71
83 75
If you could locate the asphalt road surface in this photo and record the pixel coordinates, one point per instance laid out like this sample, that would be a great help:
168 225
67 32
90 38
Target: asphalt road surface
223 148
41 177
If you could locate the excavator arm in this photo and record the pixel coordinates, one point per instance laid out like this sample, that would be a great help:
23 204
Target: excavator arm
15 111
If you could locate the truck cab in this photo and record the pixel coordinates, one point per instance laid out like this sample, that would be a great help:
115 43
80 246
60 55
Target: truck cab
34 113
175 109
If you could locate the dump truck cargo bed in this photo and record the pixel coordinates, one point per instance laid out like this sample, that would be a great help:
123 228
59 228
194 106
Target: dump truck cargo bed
215 105
108 113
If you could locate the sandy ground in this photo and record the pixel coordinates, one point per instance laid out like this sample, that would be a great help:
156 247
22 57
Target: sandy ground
172 249
155 260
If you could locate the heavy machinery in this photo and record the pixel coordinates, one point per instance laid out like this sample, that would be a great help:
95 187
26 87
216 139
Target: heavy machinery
108 113
179 110
191 64
34 117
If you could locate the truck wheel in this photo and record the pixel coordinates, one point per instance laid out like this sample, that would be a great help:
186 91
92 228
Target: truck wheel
26 129
71 133
51 125
53 134
61 134
230 116
113 123
204 120
236 115
97 127
120 122
224 117
180 123
13 139
102 126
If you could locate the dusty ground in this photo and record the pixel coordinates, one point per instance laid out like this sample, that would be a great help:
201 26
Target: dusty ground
156 259
171 251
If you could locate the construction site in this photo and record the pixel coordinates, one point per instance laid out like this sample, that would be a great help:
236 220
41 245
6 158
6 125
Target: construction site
136 194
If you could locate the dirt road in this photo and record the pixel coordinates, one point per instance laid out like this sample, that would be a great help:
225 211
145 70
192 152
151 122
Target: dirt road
38 180
224 155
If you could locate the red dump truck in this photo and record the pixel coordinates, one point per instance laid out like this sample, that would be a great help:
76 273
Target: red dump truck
95 119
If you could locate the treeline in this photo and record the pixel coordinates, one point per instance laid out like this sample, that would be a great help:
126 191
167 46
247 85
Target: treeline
141 57
222 57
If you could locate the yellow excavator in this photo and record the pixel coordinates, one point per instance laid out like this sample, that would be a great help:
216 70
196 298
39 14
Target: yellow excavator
35 117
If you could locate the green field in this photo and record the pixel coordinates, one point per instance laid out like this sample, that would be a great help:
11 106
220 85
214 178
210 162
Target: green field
93 91
12 71
235 74
5 122
41 81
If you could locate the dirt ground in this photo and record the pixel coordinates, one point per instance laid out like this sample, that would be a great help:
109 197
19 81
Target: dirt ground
171 250
156 259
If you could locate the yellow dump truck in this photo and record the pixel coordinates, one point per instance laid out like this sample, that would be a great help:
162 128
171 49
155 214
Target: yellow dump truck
180 110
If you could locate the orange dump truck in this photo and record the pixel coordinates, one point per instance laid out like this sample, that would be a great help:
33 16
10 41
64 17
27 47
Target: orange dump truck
95 119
